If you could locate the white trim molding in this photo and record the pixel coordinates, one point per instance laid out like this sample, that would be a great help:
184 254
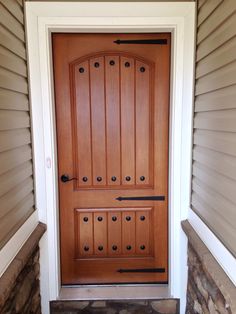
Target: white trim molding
13 246
226 260
43 18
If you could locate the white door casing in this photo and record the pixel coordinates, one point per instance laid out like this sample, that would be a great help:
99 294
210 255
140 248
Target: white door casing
43 18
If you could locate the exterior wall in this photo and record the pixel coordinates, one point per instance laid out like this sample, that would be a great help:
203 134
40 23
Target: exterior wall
19 285
209 289
16 181
214 149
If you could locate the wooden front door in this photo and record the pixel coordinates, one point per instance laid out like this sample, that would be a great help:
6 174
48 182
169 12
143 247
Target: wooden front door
112 109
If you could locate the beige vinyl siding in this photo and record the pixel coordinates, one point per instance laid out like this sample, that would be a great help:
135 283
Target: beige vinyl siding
214 139
16 171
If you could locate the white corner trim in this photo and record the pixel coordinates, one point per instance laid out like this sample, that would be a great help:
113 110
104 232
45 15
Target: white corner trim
42 18
13 246
226 260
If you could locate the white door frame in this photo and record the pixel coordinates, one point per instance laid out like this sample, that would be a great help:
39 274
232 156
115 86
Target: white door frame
43 18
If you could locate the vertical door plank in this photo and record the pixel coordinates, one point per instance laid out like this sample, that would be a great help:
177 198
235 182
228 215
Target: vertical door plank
83 139
100 233
114 233
127 121
128 233
85 224
98 120
143 129
113 119
143 232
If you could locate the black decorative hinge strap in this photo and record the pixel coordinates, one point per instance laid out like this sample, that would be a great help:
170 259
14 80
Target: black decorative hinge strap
141 198
142 41
142 270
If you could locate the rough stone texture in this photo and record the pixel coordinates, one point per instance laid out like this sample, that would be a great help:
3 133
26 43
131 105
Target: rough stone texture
19 285
166 306
209 289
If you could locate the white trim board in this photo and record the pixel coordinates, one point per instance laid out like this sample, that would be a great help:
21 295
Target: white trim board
42 18
226 260
13 246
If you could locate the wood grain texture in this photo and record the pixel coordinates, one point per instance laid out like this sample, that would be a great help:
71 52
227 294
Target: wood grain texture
112 117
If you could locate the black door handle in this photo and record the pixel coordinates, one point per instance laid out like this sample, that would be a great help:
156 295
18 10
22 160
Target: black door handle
65 178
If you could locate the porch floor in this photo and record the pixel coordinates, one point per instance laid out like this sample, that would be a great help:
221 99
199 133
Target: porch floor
160 306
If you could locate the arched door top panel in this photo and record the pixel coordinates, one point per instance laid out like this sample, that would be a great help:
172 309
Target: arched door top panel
112 106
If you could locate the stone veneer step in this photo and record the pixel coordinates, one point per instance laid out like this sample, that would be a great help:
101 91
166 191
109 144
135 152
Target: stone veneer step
160 306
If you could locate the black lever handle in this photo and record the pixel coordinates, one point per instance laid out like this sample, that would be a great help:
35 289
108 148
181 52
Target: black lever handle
65 178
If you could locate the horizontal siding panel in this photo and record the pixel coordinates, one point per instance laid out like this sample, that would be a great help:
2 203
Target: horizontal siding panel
220 99
224 123
14 8
223 11
14 177
220 78
214 138
221 35
219 58
12 43
218 183
13 158
12 62
222 206
220 162
200 3
16 170
14 120
10 200
13 81
20 2
11 100
218 141
11 23
207 9
12 222
14 138
219 226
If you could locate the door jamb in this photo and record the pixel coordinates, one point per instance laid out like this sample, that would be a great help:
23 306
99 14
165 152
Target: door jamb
43 18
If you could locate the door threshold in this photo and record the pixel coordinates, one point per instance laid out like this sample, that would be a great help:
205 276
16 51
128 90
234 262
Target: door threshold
114 292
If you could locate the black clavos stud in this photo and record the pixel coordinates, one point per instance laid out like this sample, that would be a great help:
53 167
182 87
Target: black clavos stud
142 178
114 218
128 178
100 248
112 62
142 69
128 218
100 218
86 248
96 64
113 178
85 219
85 179
99 179
114 247
127 64
142 218
81 70
142 247
128 247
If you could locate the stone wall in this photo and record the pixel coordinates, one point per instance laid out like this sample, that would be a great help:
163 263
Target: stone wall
19 285
209 290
